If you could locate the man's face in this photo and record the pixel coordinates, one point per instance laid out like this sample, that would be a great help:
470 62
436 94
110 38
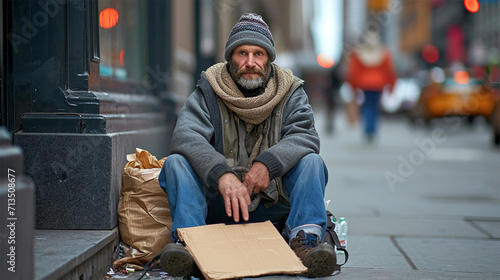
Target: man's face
250 66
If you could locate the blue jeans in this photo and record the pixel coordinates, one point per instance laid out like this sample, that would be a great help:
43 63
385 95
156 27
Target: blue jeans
194 204
370 112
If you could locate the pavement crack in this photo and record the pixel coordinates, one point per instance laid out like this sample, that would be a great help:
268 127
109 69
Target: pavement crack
408 260
479 228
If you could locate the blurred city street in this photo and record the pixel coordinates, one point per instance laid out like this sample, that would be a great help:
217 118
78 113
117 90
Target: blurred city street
431 207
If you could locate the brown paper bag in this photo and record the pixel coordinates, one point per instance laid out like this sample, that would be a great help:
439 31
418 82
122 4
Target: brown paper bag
143 210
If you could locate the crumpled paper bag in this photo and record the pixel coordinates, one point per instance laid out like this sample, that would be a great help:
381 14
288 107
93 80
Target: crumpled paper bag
143 210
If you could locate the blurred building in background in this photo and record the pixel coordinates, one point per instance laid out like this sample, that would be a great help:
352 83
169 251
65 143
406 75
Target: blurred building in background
430 33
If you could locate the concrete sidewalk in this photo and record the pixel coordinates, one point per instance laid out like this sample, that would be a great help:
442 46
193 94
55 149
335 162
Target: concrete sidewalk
421 203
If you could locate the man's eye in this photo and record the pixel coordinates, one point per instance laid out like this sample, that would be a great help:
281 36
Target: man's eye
259 54
242 53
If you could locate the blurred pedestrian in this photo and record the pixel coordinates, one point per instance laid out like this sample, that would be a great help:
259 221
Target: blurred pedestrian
331 96
370 70
245 149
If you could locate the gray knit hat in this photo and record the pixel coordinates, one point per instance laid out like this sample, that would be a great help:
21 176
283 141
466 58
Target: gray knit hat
250 30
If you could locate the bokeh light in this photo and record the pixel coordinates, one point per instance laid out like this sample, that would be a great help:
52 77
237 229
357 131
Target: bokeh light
324 60
471 5
430 53
108 18
122 57
461 77
437 75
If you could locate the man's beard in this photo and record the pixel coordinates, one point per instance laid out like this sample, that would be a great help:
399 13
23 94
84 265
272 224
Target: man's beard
249 84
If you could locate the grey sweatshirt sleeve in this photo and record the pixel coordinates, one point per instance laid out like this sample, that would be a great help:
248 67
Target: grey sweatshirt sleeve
191 138
298 136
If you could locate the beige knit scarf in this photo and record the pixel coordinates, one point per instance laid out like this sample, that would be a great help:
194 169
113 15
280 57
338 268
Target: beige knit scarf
253 110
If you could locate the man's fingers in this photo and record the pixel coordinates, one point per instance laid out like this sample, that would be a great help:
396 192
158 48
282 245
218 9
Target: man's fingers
236 209
248 200
227 205
257 178
257 190
236 199
244 208
250 188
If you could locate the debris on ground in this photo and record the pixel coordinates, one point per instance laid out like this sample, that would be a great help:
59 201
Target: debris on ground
154 274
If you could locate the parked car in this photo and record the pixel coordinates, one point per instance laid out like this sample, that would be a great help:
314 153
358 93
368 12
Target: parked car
470 99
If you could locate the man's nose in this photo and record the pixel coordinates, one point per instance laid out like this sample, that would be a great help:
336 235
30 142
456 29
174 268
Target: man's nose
250 61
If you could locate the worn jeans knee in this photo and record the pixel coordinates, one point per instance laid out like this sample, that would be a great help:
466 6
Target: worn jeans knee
305 184
184 189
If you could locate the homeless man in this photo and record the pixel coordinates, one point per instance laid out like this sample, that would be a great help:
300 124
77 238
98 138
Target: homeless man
245 149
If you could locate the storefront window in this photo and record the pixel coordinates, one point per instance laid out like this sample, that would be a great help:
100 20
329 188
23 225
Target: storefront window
123 39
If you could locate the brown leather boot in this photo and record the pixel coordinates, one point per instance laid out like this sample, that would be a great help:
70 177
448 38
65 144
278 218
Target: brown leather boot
320 259
177 262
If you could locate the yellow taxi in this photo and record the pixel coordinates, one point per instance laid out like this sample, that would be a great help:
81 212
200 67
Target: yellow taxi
455 97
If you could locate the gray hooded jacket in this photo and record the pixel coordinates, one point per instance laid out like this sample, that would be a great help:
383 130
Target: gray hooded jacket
197 123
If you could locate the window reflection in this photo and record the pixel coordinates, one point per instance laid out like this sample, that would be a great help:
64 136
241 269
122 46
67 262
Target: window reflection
122 37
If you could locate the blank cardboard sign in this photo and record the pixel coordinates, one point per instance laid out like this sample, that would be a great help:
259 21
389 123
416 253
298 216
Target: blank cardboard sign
241 250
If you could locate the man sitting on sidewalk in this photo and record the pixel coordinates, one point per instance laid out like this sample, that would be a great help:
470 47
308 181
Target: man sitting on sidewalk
245 148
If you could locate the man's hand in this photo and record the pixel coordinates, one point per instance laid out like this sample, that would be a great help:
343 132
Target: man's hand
257 178
236 196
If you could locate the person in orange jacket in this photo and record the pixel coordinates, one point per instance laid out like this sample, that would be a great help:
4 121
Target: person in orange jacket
370 69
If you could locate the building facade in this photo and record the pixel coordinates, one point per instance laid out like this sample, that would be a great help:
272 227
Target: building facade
83 83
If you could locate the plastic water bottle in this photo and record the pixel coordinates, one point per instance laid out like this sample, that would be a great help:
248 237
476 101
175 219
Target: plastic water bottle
334 221
336 229
342 233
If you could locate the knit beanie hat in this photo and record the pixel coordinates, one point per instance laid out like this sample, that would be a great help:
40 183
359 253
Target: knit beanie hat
250 30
